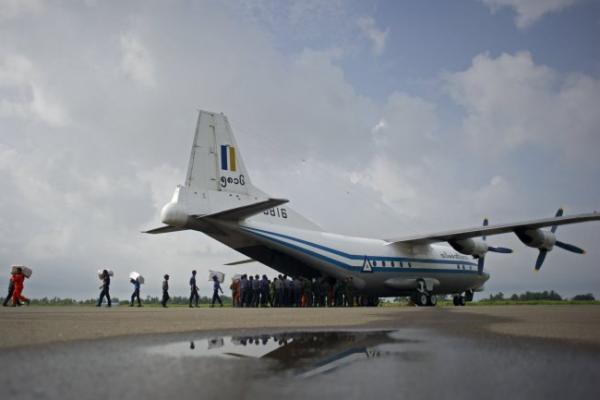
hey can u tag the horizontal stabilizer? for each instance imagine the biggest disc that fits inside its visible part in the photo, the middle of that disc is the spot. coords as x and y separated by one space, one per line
165 229
238 213
248 260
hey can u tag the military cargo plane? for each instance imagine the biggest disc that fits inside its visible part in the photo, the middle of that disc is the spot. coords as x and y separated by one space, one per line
219 199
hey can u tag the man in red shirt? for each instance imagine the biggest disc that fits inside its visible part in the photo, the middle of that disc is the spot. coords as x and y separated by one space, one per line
18 278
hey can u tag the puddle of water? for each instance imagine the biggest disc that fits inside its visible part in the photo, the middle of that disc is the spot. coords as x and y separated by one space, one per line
306 354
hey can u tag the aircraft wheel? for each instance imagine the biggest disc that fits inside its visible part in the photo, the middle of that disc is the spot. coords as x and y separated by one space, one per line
422 299
461 301
432 300
456 300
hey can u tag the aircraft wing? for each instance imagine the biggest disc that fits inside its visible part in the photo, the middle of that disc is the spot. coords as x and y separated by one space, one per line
460 234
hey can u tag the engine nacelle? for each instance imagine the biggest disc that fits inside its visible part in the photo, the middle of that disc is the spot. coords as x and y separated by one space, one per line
470 247
537 238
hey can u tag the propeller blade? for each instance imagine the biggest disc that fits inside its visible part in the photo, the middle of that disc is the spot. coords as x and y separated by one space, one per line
480 265
504 250
569 247
485 223
540 259
559 213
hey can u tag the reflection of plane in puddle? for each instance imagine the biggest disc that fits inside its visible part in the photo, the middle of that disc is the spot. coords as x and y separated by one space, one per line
310 353
317 353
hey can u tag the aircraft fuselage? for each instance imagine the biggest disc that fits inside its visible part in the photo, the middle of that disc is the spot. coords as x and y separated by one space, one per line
376 268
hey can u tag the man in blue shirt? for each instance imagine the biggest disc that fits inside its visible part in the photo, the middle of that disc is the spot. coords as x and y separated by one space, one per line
216 288
194 290
105 288
165 288
136 292
243 291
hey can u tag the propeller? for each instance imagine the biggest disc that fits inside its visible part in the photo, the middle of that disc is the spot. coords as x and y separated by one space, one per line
569 247
540 259
504 250
565 246
481 260
480 265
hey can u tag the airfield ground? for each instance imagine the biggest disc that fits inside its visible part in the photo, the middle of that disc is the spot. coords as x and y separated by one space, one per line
28 326
491 352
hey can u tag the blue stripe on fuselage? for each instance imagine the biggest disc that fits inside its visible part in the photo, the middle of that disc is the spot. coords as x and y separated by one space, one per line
261 233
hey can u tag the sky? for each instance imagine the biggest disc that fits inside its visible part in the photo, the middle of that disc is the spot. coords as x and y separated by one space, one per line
375 118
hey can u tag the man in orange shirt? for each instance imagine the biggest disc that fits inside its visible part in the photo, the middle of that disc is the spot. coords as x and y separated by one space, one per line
18 278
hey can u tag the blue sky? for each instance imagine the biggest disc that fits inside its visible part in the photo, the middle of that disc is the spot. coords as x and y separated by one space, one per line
398 117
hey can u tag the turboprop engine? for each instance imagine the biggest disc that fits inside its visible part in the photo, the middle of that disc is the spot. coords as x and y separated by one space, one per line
477 248
537 238
545 241
471 247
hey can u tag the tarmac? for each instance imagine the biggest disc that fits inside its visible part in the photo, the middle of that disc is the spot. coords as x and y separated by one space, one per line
467 352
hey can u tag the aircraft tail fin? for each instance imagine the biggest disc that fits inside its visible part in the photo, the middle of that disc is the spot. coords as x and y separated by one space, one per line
215 160
217 184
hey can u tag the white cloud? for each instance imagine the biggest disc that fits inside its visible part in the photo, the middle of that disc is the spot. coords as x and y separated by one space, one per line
15 8
405 139
529 11
48 110
369 28
136 60
381 125
15 70
511 102
23 93
161 180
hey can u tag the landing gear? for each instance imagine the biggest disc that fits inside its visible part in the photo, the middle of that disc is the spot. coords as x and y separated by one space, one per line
368 301
373 301
423 295
459 300
469 295
432 300
424 299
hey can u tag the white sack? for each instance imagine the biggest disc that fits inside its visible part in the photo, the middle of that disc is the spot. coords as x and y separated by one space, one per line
110 272
220 275
136 275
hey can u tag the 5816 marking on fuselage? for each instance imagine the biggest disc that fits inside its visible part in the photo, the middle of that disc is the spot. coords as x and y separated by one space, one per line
276 212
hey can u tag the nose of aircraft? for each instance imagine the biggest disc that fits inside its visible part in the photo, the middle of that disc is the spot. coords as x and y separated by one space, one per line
173 214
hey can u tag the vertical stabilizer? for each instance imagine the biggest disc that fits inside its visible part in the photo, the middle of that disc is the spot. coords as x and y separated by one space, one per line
215 161
217 183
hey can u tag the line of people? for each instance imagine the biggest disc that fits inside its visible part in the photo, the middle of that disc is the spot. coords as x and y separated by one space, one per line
247 291
195 297
136 280
256 291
